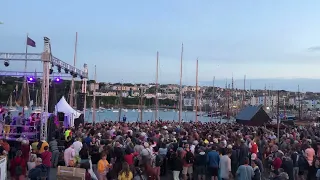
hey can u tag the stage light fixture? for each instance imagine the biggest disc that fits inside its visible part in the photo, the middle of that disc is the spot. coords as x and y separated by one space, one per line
59 69
51 71
81 77
71 73
57 80
31 79
74 75
6 63
66 71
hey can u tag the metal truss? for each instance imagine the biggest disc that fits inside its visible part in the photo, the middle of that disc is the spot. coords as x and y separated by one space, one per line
38 57
33 74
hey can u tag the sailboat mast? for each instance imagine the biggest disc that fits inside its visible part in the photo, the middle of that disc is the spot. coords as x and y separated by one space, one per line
180 87
228 102
244 91
212 98
156 91
36 98
94 96
10 100
120 102
74 64
141 103
299 110
197 91
265 97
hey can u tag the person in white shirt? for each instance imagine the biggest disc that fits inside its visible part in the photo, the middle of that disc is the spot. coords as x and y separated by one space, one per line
225 165
77 145
69 155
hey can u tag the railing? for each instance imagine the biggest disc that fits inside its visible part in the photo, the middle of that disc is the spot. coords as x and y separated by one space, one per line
29 132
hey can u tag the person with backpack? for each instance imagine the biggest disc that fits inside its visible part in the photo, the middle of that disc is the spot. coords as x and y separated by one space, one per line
157 162
18 167
7 122
188 157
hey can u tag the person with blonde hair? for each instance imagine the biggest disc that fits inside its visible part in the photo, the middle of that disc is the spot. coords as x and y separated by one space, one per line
125 173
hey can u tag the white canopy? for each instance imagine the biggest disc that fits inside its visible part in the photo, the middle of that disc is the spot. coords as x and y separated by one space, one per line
63 106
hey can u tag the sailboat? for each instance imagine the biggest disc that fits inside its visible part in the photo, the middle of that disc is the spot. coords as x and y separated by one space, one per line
11 108
37 107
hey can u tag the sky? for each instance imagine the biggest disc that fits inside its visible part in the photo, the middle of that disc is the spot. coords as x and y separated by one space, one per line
260 39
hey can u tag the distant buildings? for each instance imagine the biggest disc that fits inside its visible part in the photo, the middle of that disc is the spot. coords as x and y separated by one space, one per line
235 97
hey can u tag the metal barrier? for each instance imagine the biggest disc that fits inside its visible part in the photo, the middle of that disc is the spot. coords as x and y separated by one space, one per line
29 132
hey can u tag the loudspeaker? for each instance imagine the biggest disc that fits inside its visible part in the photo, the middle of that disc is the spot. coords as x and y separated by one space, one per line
61 116
79 120
80 101
52 98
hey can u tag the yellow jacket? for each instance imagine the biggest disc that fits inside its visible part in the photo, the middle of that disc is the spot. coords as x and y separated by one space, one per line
103 165
122 176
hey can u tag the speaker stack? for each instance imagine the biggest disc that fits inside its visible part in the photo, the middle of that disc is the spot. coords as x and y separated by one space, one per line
80 101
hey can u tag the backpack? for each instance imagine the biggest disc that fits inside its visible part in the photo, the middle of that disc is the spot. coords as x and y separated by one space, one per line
159 160
7 120
189 157
18 170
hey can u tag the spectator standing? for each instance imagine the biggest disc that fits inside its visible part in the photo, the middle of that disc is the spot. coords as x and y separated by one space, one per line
53 144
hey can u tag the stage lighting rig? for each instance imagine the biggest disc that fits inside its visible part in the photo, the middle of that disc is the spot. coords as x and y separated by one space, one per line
51 71
74 75
6 63
66 71
59 69
71 73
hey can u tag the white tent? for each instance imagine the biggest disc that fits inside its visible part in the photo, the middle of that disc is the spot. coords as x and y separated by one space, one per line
69 113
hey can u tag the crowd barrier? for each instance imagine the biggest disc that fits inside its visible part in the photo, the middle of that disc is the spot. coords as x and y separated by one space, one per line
3 167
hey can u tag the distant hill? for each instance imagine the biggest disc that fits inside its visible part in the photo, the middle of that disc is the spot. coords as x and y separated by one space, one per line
312 85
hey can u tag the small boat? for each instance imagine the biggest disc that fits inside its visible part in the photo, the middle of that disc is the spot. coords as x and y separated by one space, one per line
133 110
149 110
173 110
115 110
102 108
12 109
25 108
109 109
165 110
139 110
125 110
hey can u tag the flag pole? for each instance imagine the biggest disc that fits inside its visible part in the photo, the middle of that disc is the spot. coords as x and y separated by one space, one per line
25 77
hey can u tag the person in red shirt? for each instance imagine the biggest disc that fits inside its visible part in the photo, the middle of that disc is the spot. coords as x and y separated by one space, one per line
277 162
46 158
129 158
18 168
254 147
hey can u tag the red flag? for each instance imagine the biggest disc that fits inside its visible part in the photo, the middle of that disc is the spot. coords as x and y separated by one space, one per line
31 42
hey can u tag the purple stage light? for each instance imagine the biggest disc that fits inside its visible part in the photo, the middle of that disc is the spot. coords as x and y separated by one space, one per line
57 79
31 79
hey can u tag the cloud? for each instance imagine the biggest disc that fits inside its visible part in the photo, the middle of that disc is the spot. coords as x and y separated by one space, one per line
314 48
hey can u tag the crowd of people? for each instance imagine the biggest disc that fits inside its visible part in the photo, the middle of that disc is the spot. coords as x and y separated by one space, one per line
169 150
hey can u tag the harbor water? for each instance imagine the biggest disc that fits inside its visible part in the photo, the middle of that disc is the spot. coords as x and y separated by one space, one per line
134 115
